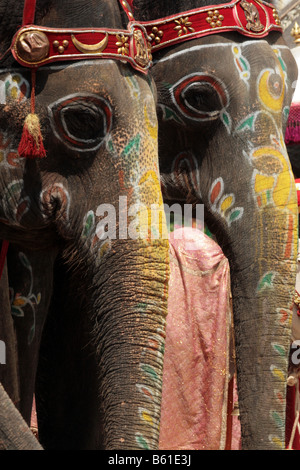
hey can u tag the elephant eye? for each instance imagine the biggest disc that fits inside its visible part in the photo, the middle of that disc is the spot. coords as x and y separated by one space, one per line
81 122
200 97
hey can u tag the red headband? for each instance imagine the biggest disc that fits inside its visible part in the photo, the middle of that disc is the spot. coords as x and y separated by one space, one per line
253 18
33 46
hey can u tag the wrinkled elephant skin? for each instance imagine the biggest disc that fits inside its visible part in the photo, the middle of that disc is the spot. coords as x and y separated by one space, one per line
99 125
223 104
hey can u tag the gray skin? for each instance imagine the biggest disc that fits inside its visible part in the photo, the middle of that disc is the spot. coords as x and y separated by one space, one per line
14 432
204 161
53 206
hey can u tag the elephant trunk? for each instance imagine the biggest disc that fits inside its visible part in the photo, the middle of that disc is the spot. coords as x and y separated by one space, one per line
263 281
129 332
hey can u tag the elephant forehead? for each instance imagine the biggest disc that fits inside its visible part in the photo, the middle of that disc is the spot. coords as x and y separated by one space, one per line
108 78
101 77
195 56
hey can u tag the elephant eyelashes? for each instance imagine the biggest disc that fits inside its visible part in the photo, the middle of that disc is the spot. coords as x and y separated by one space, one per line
81 122
200 97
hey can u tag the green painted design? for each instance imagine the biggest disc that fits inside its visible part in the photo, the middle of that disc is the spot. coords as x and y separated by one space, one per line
17 311
88 224
235 214
169 114
244 63
132 146
207 231
110 146
277 418
134 83
149 371
282 64
141 441
266 281
279 349
142 307
246 124
286 111
226 120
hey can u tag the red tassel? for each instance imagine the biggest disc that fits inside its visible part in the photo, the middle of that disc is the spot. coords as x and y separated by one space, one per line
31 144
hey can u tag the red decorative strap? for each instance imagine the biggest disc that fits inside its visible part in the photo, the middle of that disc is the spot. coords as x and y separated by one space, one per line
29 12
33 46
3 254
128 8
253 18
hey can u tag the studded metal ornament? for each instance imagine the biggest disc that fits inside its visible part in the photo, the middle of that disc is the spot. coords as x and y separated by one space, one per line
251 18
122 43
156 35
183 26
214 18
61 47
276 16
32 46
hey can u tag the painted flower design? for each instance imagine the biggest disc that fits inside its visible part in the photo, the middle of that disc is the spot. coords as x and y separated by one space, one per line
7 155
16 87
122 43
183 26
19 301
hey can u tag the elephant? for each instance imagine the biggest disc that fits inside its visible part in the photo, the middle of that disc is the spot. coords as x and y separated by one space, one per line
225 78
14 432
78 175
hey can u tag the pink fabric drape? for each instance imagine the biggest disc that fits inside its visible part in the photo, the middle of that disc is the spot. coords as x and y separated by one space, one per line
197 350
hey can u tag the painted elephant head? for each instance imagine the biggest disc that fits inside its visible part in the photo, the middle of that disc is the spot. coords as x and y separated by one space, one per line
88 197
223 102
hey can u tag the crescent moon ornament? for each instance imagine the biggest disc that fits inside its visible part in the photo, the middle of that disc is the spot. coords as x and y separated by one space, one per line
90 48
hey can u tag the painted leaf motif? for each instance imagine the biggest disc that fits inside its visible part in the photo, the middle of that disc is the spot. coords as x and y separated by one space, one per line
226 120
89 224
278 442
278 419
24 260
279 349
147 417
246 124
286 111
31 334
284 315
19 301
38 298
236 214
215 193
16 311
142 442
169 114
150 371
278 373
133 145
266 281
